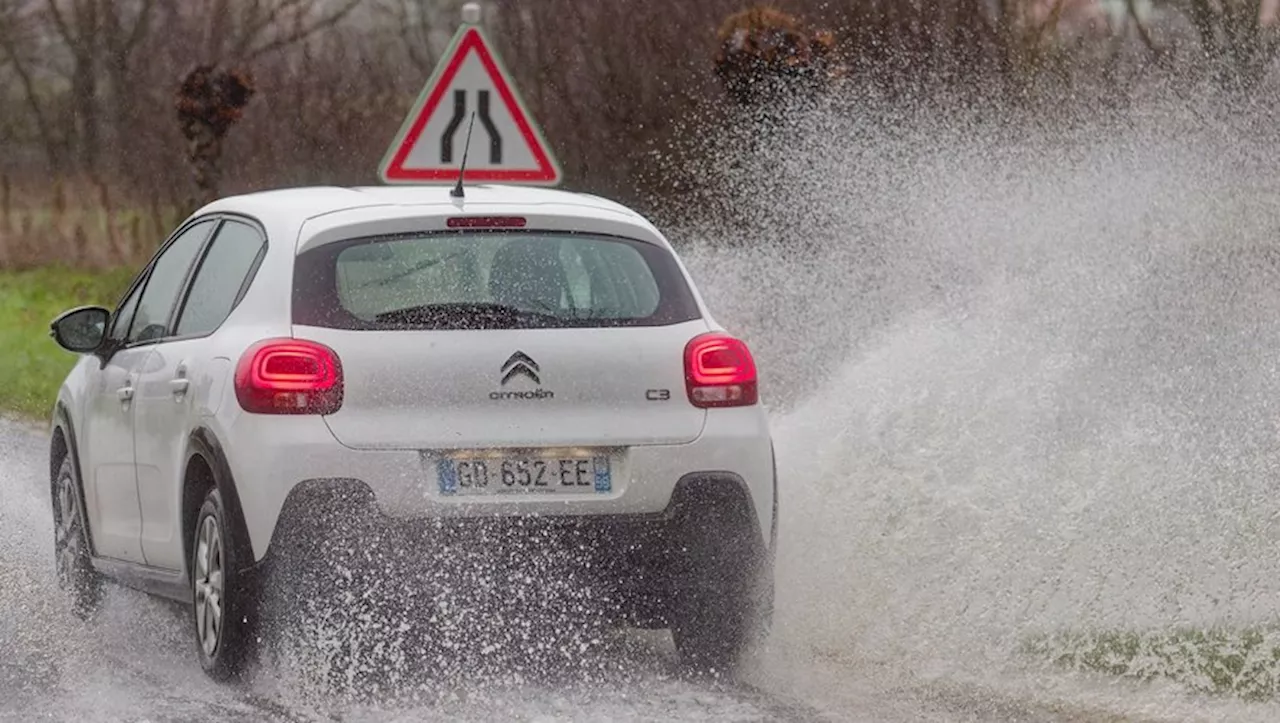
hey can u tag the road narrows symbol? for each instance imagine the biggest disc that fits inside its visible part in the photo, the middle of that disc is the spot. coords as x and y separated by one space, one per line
495 139
460 112
446 139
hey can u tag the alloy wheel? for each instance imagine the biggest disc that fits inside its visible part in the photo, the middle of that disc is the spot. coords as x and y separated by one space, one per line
209 586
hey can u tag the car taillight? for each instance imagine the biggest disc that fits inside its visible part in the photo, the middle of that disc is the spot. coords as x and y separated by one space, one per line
719 371
289 376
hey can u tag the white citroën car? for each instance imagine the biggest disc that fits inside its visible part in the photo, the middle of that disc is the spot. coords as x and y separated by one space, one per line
518 354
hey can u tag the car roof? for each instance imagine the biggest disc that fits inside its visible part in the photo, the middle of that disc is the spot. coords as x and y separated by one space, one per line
297 205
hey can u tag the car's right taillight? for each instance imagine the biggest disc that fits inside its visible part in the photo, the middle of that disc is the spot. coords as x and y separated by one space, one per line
719 371
289 376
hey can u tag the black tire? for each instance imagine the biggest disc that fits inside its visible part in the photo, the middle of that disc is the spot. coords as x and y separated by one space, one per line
724 606
715 632
72 561
222 620
327 582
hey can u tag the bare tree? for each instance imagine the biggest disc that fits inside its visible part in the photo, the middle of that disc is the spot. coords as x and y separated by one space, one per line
20 31
241 31
422 28
625 90
126 24
79 24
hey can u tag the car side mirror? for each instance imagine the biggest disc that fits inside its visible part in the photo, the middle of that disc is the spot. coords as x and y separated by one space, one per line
81 330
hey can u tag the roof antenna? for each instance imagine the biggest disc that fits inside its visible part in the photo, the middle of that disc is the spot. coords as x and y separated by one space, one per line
457 190
470 16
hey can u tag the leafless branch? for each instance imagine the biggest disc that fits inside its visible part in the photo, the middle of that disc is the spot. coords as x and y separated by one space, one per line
257 20
17 23
141 25
121 36
413 26
60 22
302 30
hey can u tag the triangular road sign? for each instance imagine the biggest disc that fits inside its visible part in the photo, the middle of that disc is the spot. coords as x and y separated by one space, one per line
506 144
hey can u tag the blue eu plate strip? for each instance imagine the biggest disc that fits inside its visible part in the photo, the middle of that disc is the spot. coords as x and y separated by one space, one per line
603 482
447 475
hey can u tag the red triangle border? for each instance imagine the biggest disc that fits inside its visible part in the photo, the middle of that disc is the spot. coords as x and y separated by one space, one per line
472 40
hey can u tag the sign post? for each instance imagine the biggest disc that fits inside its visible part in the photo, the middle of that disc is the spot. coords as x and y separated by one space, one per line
470 81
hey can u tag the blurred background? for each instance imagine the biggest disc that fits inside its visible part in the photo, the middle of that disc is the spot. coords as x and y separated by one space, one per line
94 163
1009 268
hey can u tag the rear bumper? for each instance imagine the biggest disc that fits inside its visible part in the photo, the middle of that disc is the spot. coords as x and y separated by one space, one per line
706 540
273 459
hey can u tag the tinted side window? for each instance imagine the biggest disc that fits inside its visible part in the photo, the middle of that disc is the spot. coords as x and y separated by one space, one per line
124 315
167 275
218 280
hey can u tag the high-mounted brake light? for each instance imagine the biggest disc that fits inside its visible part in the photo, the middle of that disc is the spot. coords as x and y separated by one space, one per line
289 376
719 371
486 222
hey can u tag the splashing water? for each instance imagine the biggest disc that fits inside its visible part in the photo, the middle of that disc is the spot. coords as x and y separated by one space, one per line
1022 382
1028 378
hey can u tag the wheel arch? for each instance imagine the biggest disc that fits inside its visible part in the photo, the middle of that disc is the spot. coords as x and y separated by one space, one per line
204 448
773 527
62 443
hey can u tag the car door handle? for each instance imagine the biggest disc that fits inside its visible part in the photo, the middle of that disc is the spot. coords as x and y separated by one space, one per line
125 393
178 386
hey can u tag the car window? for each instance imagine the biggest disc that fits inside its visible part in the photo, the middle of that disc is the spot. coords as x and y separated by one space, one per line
124 314
578 279
219 278
167 275
496 280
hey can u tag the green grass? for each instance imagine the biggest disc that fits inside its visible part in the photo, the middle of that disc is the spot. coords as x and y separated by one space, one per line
1242 662
32 365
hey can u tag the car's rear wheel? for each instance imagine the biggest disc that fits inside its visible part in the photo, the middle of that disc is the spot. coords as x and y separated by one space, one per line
724 603
75 570
222 597
715 633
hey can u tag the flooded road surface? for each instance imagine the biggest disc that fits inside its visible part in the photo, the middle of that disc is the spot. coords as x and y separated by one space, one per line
134 663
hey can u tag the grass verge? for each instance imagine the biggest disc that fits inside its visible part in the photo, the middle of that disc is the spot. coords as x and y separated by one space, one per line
31 364
1242 662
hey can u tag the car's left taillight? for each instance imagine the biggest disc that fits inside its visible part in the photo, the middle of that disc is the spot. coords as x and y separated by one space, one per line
289 376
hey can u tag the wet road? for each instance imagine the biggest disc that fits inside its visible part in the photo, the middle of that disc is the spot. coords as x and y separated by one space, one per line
134 663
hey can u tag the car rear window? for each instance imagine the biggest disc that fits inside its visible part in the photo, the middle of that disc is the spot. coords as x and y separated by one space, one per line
479 279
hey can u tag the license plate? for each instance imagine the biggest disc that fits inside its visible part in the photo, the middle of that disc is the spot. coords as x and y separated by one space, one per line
476 474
